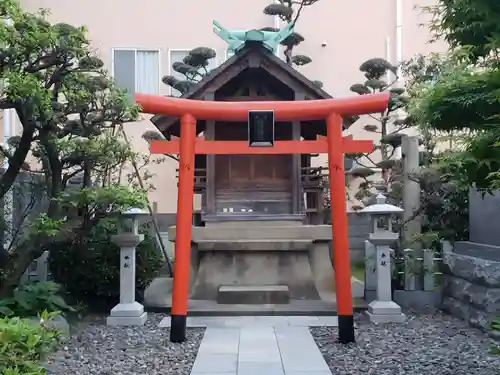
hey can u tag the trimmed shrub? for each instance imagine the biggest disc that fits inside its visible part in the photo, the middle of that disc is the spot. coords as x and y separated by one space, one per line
89 268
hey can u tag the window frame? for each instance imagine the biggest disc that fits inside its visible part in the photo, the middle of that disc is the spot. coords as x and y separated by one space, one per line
135 50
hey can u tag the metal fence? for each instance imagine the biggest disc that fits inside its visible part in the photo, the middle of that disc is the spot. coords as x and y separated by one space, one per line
420 270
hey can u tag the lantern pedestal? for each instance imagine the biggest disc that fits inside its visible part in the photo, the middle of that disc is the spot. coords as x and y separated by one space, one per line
128 312
385 312
384 309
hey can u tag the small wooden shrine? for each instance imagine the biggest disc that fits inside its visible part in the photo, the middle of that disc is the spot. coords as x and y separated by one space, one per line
256 187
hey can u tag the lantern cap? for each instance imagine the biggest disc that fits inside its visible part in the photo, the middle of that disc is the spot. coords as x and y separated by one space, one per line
381 207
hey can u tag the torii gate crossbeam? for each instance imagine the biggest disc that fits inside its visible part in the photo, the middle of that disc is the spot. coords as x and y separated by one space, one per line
335 145
319 146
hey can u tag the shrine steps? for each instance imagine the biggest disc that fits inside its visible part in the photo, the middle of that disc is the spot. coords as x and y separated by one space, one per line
253 294
254 245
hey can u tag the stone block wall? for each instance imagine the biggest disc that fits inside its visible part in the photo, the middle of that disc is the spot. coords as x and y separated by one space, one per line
471 288
359 229
484 214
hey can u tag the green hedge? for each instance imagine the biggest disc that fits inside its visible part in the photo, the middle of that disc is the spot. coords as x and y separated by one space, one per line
89 268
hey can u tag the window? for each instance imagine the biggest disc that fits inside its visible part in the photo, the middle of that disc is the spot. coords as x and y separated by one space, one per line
137 70
176 55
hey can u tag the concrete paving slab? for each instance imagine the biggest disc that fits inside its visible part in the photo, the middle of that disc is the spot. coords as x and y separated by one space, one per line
291 334
212 363
239 321
303 321
252 368
272 320
218 347
259 357
298 350
327 321
222 335
259 332
308 372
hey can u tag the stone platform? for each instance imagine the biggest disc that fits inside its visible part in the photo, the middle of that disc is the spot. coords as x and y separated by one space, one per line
258 254
158 298
263 267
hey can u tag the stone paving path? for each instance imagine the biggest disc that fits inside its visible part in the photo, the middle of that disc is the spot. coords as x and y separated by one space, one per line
266 345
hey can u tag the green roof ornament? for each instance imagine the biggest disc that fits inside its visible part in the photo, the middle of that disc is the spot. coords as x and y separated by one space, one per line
236 39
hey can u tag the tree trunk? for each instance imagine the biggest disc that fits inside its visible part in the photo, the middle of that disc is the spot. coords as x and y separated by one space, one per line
10 175
17 263
55 180
25 253
87 182
16 162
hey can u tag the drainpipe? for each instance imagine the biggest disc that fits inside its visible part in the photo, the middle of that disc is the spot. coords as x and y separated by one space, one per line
399 53
399 35
388 57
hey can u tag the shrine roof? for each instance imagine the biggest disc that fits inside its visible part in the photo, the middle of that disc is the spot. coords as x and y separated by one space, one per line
252 56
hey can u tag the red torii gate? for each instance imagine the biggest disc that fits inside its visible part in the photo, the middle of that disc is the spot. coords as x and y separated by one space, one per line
333 110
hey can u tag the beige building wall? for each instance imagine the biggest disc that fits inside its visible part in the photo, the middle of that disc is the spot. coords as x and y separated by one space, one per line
339 35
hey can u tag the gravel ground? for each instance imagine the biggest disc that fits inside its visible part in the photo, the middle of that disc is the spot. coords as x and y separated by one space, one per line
431 344
101 350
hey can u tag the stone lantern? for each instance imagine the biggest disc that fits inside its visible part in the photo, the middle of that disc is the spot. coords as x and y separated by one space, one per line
128 312
383 309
